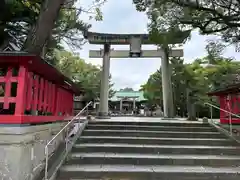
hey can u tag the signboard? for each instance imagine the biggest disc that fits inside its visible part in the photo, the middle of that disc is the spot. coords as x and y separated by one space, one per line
115 39
135 46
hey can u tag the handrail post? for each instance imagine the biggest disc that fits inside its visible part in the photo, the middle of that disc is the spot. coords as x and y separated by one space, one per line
211 111
66 140
230 124
230 116
63 130
46 163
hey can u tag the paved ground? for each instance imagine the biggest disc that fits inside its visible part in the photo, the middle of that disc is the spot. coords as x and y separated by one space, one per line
148 119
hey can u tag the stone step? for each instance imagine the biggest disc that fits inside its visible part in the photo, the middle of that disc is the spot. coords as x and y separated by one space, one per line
130 172
153 123
151 128
155 149
153 159
139 133
153 140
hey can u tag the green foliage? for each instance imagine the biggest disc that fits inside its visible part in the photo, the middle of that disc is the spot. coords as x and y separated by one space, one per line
153 89
86 75
18 16
68 28
210 16
192 82
15 19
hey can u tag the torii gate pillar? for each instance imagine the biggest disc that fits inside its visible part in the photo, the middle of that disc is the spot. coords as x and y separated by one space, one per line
104 89
168 107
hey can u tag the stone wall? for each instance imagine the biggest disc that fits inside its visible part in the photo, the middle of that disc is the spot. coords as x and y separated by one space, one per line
22 149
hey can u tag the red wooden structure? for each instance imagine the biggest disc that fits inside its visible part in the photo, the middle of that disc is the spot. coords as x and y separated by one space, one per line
229 100
33 91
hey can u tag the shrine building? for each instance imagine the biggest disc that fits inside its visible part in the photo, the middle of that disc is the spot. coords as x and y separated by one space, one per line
229 100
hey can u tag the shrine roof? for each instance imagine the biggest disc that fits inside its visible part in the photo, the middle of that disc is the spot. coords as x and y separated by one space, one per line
128 94
230 89
39 66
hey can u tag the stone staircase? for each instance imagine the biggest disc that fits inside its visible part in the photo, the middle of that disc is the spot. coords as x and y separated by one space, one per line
152 151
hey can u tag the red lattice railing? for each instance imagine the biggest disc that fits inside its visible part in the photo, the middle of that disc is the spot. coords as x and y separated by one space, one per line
27 97
230 103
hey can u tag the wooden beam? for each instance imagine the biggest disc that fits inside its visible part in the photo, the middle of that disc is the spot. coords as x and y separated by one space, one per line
125 53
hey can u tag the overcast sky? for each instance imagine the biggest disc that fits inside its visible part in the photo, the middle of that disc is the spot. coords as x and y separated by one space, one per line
120 16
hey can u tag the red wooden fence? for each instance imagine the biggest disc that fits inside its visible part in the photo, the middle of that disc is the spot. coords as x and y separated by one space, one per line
229 100
230 103
32 91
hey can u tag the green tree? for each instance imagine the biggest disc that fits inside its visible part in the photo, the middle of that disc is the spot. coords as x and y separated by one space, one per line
41 31
86 75
210 16
191 83
153 89
44 24
16 16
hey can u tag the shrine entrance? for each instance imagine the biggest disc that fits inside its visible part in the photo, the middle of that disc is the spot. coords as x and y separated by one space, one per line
135 41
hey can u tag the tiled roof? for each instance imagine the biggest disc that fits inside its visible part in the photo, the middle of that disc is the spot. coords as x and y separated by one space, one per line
128 94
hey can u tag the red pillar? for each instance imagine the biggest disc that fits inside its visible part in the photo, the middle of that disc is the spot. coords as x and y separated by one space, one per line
21 91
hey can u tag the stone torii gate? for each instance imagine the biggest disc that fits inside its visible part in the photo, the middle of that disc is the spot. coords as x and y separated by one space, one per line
135 41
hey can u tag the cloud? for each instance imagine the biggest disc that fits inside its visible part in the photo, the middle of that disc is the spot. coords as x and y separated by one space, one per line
132 72
195 48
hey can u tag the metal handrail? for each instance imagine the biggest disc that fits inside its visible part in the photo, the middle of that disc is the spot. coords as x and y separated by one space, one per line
66 140
230 113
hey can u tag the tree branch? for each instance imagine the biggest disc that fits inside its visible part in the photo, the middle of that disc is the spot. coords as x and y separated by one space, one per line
213 11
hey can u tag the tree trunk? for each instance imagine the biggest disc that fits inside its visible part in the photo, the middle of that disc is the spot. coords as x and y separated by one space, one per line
190 106
2 22
44 50
41 31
